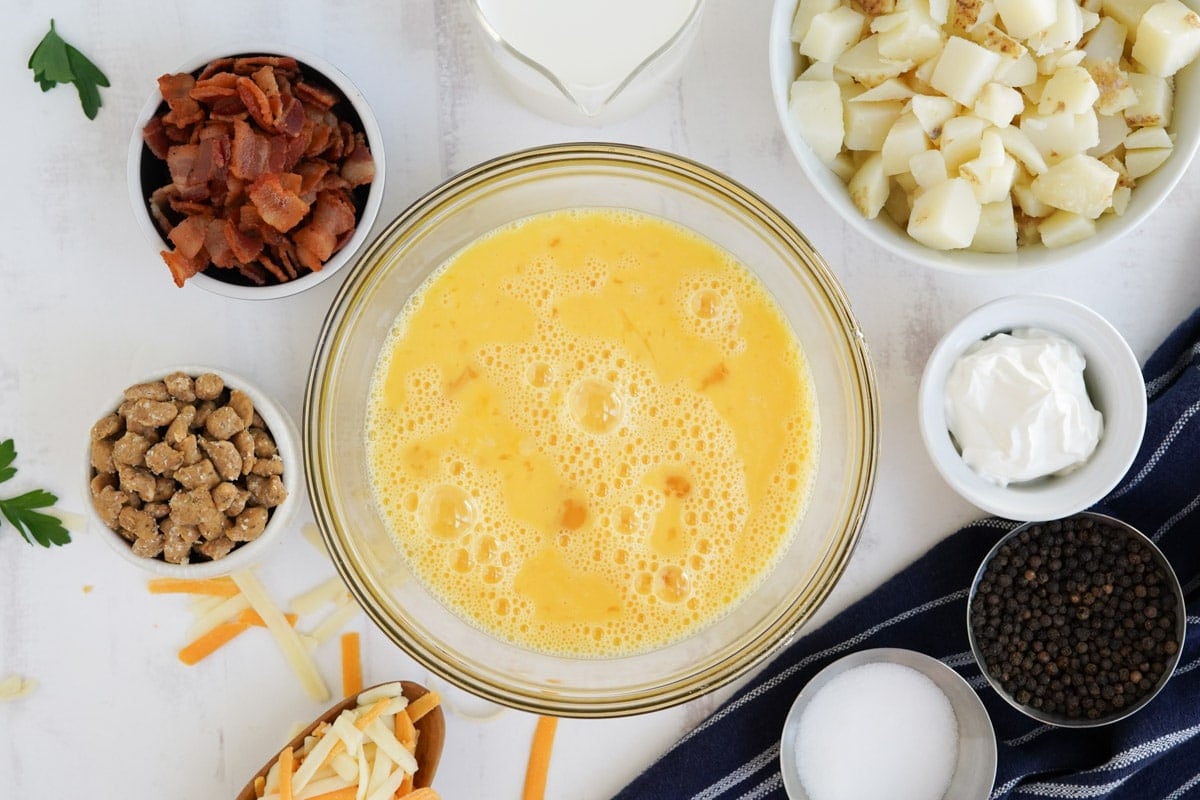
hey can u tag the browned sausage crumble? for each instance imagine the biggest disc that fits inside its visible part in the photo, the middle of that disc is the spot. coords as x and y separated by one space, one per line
185 469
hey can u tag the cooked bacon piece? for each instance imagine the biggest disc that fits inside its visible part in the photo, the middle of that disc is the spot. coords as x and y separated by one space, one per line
155 138
229 109
279 207
213 67
319 97
359 168
318 240
188 236
277 152
159 200
181 267
264 79
256 103
310 173
273 268
218 247
290 121
250 152
211 93
181 162
175 90
246 245
177 135
250 64
253 273
189 208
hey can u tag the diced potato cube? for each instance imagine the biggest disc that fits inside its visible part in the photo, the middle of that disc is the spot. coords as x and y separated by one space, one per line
1018 72
1113 130
1027 230
1168 38
843 166
917 38
1106 42
815 108
805 11
903 141
963 69
998 104
1127 12
991 173
960 140
1033 91
1143 162
1148 137
905 181
997 230
1090 19
928 168
1154 101
832 33
1063 228
939 10
1021 147
891 89
1079 184
818 71
1071 89
869 187
1024 18
1026 200
897 206
1121 197
1057 136
1093 6
933 112
1116 92
1053 62
864 63
945 216
1062 34
867 124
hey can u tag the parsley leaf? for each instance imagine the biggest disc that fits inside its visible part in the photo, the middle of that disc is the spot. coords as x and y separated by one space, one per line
54 62
22 511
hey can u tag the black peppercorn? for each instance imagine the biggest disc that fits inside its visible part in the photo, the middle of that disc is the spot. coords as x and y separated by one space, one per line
1073 621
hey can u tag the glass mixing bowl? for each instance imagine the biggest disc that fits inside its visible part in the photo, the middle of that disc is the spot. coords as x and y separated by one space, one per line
424 237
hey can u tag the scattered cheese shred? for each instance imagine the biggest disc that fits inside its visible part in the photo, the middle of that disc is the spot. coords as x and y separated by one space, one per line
539 759
218 587
320 595
345 610
423 705
285 774
313 534
210 642
224 611
346 793
251 617
14 687
294 651
351 665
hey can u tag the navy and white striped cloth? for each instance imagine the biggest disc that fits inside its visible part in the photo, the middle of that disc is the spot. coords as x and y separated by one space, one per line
1153 755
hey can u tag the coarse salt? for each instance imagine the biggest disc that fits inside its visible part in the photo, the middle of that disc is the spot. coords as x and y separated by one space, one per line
877 730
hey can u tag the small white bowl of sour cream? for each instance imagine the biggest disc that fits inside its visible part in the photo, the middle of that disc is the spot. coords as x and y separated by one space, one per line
1114 384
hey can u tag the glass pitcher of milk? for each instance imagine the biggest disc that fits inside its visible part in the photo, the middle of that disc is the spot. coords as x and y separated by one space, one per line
587 61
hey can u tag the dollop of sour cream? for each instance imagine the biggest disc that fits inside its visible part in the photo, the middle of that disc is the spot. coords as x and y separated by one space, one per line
1018 408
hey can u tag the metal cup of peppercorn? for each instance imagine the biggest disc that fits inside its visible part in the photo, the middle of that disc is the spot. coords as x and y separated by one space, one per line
1077 622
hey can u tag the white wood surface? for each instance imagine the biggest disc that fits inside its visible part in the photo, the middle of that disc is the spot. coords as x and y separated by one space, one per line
85 305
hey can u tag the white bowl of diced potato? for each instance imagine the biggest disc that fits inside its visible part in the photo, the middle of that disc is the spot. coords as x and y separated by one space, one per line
1019 133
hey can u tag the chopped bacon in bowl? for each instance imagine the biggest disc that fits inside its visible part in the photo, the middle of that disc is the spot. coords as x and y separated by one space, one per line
257 170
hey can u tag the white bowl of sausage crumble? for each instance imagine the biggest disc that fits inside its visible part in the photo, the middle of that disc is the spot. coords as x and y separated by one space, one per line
192 472
255 171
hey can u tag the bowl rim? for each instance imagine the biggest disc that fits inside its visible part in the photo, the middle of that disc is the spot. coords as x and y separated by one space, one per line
927 665
366 219
1180 624
287 442
965 262
781 629
1122 433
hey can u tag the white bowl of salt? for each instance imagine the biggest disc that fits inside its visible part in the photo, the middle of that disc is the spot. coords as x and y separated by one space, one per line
888 723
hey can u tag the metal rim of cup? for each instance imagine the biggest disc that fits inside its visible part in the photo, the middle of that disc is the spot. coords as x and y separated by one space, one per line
1057 720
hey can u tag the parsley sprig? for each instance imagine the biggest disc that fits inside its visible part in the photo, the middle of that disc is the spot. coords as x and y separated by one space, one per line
54 62
22 511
